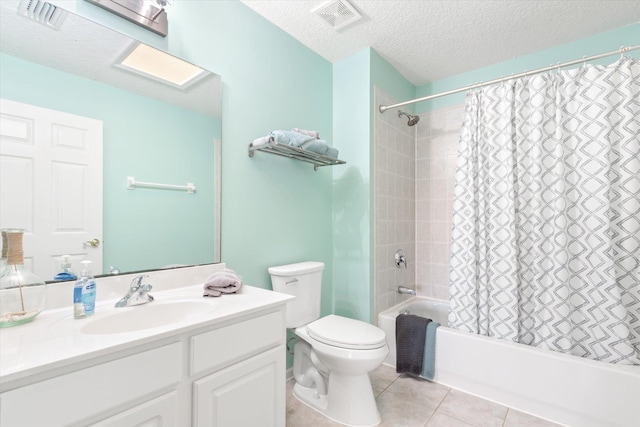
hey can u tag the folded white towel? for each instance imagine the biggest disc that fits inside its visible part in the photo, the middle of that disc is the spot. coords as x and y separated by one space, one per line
262 141
313 133
222 282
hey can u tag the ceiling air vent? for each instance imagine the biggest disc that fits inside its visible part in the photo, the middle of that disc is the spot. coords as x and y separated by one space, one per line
338 13
42 12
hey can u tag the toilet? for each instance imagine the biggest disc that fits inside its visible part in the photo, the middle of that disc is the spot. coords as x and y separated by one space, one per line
333 355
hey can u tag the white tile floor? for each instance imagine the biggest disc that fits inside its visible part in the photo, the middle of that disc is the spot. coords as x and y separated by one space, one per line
408 402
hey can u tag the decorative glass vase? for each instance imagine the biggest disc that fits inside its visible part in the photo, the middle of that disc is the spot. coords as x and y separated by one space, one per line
5 249
23 295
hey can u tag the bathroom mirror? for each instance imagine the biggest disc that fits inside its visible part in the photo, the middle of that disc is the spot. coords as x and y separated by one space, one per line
152 132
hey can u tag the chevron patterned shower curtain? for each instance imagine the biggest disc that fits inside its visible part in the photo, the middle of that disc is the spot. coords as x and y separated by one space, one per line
546 220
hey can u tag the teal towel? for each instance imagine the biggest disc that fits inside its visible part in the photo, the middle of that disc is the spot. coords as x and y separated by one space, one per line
302 141
316 145
429 358
332 152
320 146
290 138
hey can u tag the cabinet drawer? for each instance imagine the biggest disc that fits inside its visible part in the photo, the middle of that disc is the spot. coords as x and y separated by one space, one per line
72 397
157 412
233 343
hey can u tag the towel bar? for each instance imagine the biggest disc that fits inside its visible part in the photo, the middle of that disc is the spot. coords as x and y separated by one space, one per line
132 184
296 153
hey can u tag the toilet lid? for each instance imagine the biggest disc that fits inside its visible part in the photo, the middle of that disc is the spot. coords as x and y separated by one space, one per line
343 332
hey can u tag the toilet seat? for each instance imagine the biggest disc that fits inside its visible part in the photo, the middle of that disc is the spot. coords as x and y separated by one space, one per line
346 333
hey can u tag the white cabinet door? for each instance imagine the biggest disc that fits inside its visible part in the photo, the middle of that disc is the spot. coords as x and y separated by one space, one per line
248 394
160 412
51 184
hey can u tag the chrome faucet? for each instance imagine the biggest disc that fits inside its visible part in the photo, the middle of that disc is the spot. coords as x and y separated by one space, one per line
405 290
400 259
138 293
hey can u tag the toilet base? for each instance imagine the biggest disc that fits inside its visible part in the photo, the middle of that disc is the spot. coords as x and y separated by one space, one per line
349 401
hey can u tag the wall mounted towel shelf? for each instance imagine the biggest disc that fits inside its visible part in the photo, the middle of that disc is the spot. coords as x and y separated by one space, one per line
132 184
285 150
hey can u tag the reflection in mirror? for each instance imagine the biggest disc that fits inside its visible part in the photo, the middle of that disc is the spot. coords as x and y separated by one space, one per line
63 96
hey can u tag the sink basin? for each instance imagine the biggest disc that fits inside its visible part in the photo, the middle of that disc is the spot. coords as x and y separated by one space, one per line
145 316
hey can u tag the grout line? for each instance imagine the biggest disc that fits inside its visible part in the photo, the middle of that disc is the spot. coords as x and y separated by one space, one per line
394 380
438 407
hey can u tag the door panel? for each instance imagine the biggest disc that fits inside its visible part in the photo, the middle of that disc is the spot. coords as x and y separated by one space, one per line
51 184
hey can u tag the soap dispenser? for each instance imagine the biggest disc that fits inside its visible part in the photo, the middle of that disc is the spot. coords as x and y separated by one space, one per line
66 273
84 293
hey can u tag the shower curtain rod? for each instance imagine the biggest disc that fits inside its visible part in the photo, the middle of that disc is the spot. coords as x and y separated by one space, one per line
620 51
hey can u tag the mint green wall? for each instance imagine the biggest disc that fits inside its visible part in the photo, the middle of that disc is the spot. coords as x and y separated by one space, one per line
391 81
143 228
274 210
351 187
599 43
354 79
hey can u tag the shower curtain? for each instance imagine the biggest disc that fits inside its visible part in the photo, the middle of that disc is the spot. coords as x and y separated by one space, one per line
546 219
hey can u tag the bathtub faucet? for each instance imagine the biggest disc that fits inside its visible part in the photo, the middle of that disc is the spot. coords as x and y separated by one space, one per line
400 259
405 290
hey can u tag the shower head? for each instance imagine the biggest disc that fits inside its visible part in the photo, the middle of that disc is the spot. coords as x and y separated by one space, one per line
412 119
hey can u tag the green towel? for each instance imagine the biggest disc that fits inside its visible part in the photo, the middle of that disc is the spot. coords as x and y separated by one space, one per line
429 358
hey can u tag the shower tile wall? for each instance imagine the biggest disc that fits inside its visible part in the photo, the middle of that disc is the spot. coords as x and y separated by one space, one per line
394 204
436 150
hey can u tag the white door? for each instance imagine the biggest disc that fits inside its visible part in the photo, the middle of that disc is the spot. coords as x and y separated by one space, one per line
51 185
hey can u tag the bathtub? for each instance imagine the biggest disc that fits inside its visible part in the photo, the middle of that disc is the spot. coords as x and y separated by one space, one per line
562 388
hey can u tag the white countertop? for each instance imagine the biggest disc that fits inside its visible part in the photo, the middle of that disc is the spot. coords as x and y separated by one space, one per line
55 339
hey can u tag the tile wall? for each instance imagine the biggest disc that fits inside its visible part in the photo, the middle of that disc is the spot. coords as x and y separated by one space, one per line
436 153
414 169
394 204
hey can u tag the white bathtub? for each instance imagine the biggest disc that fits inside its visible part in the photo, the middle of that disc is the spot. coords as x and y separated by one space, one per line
566 389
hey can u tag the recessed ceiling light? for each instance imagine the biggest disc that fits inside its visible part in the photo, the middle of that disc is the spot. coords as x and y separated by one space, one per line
161 66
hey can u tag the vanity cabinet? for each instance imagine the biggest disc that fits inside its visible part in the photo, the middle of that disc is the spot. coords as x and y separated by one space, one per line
246 394
71 397
250 391
227 374
158 412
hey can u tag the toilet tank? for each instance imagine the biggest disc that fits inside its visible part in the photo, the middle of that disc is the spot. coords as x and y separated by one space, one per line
304 281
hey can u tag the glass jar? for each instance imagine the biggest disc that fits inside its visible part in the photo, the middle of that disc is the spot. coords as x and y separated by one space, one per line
23 295
5 249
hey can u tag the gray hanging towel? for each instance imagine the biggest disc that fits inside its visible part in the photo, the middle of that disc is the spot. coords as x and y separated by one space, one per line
410 339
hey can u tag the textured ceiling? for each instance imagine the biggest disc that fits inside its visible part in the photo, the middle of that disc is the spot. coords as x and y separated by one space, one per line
89 50
427 40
